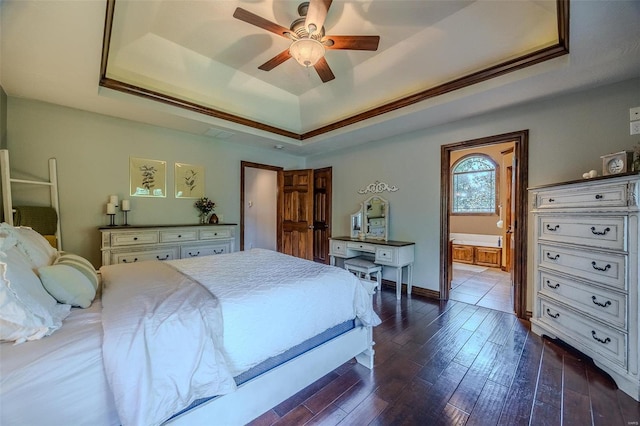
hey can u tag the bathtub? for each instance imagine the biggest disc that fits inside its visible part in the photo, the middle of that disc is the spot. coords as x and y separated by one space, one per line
481 240
477 249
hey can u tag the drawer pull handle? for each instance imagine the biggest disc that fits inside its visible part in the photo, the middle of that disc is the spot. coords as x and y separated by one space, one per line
135 259
556 257
604 232
165 258
555 228
552 286
604 305
218 252
551 315
179 236
551 200
135 238
595 336
599 197
194 255
597 268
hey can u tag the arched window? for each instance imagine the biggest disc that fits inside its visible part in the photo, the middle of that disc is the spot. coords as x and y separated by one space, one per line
474 183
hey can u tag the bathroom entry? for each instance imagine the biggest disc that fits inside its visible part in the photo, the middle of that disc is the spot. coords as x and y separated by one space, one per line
479 230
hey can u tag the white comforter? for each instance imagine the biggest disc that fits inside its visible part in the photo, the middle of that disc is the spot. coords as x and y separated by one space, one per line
169 341
161 342
271 301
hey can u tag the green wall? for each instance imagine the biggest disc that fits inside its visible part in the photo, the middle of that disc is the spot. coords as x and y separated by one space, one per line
568 134
92 153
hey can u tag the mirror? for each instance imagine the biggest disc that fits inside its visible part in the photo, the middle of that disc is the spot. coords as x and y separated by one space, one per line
356 224
376 218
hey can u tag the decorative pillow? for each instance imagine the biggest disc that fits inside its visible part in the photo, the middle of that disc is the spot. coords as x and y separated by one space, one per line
71 279
32 244
27 311
68 285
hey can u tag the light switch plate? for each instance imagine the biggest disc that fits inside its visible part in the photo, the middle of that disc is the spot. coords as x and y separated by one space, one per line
634 114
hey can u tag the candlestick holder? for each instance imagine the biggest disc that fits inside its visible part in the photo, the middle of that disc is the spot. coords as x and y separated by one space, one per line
112 219
124 222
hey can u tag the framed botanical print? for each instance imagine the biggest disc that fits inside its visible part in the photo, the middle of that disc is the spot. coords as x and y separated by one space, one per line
189 181
147 178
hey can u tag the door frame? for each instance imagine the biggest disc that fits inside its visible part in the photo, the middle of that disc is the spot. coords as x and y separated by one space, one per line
521 155
243 166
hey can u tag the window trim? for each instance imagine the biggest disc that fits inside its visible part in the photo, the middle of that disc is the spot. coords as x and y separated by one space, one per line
496 168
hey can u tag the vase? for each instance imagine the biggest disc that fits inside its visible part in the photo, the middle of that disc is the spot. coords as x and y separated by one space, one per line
203 218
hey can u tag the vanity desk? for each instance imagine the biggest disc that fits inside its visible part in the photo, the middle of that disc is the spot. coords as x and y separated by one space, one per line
395 254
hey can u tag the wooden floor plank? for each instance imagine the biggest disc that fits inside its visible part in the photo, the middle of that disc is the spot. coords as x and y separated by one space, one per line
483 367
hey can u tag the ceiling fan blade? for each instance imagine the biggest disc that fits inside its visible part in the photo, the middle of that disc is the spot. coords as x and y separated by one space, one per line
275 61
258 21
323 70
352 42
317 13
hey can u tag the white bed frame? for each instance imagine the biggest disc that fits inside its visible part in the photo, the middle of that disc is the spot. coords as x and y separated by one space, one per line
264 392
7 180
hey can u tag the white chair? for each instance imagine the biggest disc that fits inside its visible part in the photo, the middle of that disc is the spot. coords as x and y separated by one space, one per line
363 266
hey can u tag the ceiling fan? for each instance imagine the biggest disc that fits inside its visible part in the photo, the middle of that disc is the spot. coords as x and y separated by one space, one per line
309 41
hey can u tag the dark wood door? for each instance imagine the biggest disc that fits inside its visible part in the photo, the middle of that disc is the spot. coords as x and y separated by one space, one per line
508 244
295 208
321 214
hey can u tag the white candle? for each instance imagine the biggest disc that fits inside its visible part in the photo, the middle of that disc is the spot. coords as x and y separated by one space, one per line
111 208
126 206
113 199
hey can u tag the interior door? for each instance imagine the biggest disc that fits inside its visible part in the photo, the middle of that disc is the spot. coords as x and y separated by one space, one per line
512 223
295 208
321 214
508 243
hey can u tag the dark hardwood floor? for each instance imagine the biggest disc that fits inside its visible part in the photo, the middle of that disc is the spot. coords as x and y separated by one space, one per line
451 363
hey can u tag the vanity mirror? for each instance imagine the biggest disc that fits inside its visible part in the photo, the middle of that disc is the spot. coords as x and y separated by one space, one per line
375 211
356 224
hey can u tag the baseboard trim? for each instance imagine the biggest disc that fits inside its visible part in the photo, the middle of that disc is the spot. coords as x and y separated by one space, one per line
431 294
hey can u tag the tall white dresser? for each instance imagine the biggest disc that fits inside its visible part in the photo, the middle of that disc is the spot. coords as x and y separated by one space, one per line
129 244
586 271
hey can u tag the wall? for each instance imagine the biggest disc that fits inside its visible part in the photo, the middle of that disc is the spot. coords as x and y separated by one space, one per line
568 134
3 119
93 153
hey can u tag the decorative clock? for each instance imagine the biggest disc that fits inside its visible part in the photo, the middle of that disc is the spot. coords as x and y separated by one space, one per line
618 162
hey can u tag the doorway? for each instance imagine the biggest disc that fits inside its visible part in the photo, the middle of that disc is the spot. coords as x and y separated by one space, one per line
518 213
286 210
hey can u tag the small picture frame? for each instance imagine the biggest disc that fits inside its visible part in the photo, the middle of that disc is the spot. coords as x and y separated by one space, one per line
147 178
189 181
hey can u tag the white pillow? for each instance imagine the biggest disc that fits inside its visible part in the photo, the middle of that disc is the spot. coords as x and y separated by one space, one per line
71 279
33 245
27 311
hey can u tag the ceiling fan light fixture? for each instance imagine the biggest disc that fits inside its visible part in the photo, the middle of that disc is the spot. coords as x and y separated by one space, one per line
306 51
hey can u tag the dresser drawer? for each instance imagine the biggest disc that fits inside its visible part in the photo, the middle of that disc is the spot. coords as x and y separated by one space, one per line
361 247
338 248
593 196
596 337
134 238
208 250
602 268
178 235
386 255
165 253
595 231
606 305
212 234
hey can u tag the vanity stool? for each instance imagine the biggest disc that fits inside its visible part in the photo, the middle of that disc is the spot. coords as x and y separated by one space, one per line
362 265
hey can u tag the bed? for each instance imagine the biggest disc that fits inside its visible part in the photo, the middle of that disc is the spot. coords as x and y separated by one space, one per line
216 339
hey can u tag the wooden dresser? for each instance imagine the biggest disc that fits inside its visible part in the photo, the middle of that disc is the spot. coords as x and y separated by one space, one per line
586 271
128 244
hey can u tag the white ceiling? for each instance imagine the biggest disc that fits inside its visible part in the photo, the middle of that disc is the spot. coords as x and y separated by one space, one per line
51 51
